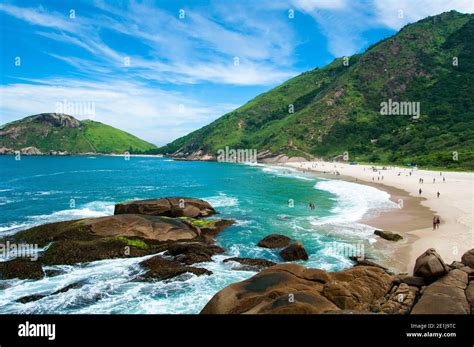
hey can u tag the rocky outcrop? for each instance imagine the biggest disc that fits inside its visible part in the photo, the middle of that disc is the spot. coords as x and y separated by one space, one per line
429 265
292 288
250 264
184 240
169 207
5 150
445 296
388 235
30 151
293 252
274 241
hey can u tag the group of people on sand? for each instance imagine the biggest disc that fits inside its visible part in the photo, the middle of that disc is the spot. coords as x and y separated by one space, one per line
436 222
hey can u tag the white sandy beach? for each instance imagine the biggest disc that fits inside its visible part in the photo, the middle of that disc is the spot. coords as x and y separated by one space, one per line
455 207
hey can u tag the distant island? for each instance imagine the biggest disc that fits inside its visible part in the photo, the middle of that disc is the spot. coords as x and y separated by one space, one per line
61 134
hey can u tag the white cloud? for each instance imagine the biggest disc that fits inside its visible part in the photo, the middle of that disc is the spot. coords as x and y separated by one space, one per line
152 114
198 48
345 22
397 13
311 5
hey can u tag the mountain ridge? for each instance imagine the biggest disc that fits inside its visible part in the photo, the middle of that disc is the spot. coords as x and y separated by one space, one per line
336 108
54 133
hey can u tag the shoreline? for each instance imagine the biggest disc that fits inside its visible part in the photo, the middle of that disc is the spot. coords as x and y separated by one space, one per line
413 221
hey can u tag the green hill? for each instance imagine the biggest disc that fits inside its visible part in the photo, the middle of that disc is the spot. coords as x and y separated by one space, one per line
59 132
337 108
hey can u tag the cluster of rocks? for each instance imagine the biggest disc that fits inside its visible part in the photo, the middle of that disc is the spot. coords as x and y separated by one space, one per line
173 226
25 151
290 250
434 288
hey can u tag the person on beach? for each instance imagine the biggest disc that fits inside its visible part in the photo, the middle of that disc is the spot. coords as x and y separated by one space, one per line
444 179
434 180
438 194
419 191
438 222
434 222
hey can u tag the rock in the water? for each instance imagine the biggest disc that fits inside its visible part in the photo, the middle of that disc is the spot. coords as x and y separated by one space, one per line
169 207
429 265
468 258
295 251
250 264
388 235
292 288
36 297
445 296
193 252
160 268
21 268
274 241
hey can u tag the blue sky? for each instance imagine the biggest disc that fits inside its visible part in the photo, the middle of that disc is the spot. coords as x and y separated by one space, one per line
160 69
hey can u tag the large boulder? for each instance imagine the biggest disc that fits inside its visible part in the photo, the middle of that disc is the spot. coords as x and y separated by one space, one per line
357 288
388 235
169 207
445 296
468 258
274 241
292 288
430 265
130 225
121 236
293 252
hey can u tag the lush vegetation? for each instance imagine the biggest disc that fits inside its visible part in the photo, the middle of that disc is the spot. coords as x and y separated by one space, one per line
88 136
337 108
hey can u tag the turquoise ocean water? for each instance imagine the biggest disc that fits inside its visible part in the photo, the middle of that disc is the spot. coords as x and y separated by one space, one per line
37 190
